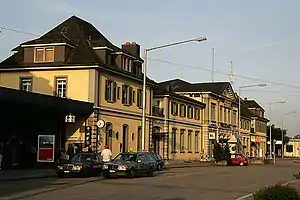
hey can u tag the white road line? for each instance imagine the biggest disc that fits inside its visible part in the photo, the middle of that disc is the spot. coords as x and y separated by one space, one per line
249 195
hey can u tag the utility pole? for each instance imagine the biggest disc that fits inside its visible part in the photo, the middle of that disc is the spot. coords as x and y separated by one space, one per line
231 75
213 65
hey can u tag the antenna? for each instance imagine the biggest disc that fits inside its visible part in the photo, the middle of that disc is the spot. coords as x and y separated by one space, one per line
231 75
213 65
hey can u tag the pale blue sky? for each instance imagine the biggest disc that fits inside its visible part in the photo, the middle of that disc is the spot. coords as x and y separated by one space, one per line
261 37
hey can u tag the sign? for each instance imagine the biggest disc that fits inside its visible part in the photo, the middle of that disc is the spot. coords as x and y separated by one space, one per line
88 136
70 118
100 123
46 145
211 136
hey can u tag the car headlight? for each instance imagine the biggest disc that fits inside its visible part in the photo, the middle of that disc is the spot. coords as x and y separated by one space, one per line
59 167
105 167
122 167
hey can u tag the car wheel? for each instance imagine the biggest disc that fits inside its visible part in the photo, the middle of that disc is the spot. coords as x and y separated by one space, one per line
159 167
131 173
105 175
60 175
241 163
151 172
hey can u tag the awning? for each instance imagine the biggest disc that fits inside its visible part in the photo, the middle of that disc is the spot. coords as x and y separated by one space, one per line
13 96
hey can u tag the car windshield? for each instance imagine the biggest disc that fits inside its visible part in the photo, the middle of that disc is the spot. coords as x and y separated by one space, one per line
82 157
125 157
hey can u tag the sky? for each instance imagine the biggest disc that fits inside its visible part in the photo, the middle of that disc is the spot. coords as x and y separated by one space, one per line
261 38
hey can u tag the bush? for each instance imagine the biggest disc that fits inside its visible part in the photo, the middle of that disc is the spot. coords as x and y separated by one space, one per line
277 192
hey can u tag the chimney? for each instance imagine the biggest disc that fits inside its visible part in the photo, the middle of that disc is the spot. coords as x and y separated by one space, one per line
132 48
245 99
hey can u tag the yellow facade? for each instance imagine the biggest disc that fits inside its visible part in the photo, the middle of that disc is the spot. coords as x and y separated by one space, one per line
89 85
182 136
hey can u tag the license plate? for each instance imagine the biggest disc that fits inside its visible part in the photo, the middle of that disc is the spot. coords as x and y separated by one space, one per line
66 171
112 171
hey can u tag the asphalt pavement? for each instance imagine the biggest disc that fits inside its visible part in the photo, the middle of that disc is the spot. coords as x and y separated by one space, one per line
226 183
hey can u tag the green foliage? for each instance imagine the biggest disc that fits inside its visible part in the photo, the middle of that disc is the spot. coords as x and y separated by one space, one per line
277 134
277 192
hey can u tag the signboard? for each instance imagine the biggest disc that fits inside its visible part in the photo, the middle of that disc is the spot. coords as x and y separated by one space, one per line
211 136
70 118
46 145
88 136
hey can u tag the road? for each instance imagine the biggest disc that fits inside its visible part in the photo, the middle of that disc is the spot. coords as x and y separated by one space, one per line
226 183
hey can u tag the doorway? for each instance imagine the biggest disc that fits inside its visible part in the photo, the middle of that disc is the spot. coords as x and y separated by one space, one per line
108 135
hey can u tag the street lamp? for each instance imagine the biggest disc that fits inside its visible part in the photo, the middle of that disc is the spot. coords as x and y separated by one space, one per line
200 39
288 113
246 86
270 104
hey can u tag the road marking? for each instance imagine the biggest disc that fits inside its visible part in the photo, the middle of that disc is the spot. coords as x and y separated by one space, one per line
251 194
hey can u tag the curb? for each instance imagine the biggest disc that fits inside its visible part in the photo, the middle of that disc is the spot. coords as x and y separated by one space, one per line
26 178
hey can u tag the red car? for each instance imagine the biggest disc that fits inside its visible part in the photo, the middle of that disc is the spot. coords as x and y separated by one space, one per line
239 159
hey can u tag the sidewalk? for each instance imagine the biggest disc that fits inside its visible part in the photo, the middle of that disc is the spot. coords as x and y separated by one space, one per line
15 175
12 175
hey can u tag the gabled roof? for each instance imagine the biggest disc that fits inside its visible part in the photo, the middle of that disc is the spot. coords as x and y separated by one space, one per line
76 32
252 104
178 85
161 90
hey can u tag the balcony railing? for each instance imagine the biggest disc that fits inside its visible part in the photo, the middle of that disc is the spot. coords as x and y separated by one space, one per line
156 111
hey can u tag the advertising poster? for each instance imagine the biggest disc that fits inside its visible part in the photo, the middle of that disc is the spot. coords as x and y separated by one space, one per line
46 144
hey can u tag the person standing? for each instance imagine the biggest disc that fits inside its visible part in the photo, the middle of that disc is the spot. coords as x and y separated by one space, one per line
106 154
1 155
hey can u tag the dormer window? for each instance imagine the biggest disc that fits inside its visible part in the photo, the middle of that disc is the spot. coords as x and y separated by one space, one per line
44 54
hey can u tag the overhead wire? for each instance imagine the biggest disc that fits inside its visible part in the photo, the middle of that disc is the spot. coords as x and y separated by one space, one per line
17 31
224 73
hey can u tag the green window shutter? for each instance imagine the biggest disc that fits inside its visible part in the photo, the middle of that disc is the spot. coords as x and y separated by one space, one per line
107 95
123 94
115 92
130 95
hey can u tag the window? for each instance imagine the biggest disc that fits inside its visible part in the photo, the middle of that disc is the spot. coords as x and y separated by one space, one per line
221 114
44 54
118 93
213 112
139 140
174 108
173 139
182 110
139 98
26 84
197 114
182 140
289 148
229 116
61 87
127 94
225 115
190 112
111 91
196 141
190 141
133 97
234 117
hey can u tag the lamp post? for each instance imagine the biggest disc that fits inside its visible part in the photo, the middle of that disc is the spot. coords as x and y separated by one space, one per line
270 105
282 138
200 39
239 128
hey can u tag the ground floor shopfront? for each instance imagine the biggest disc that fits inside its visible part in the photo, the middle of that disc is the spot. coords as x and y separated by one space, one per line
258 146
26 115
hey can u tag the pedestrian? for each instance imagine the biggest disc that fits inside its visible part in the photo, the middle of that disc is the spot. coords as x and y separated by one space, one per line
106 154
1 155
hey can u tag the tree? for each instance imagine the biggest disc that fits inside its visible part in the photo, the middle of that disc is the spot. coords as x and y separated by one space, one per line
277 134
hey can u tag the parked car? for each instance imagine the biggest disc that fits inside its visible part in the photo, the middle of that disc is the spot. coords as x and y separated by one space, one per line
160 161
239 159
130 165
82 164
